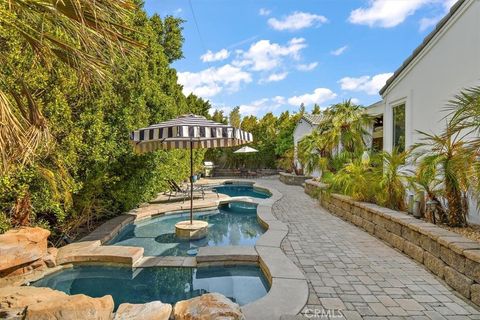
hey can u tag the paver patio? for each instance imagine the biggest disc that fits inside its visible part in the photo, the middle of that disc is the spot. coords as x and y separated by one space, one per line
350 270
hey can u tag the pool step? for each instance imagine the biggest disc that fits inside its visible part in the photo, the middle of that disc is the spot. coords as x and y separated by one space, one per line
230 254
91 251
148 262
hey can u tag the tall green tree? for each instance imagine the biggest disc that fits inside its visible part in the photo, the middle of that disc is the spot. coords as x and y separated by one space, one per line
197 105
218 116
89 172
234 118
316 109
83 36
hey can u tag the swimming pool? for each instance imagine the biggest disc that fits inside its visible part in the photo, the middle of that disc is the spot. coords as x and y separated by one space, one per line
237 190
242 284
232 224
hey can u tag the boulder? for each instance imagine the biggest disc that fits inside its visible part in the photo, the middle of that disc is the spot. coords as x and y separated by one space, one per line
21 297
46 303
74 307
22 246
155 310
50 258
12 314
207 306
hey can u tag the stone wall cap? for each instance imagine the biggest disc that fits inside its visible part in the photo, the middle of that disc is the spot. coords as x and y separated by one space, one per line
447 241
317 184
473 255
460 247
434 232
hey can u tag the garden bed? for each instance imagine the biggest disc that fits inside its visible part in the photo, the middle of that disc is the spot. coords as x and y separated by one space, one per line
447 254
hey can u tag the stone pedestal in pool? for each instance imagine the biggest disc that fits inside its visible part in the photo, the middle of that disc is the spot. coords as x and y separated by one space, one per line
191 231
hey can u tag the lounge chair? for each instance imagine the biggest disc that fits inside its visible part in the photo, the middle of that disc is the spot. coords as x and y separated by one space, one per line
175 189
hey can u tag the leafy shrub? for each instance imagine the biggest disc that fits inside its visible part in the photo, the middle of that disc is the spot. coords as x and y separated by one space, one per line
4 223
392 177
356 180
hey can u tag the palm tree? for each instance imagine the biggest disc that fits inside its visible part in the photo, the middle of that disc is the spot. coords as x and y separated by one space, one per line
339 137
345 126
392 177
465 112
450 156
465 118
83 35
311 153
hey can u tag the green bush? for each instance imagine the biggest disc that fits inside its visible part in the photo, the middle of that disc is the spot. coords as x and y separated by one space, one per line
89 172
4 223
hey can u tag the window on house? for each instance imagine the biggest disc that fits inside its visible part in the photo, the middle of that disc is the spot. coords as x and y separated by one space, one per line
377 134
399 127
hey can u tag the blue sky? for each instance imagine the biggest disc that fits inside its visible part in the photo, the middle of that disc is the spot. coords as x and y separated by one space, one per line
272 55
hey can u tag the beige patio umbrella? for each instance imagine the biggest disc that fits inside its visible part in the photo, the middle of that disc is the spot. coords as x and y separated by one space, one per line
188 132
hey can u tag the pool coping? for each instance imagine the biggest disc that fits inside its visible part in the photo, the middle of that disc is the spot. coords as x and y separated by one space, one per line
288 292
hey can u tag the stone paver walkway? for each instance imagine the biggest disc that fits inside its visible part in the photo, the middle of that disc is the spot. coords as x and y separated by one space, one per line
349 270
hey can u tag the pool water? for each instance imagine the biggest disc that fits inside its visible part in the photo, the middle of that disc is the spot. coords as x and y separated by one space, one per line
232 224
242 284
242 190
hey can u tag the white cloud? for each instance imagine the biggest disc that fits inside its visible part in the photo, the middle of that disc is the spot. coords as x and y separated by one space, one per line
212 81
296 21
355 101
367 84
386 13
274 77
427 22
319 96
264 55
339 51
307 67
264 12
226 110
262 106
215 56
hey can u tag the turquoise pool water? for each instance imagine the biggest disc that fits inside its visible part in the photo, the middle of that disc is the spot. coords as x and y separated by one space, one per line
233 224
242 284
242 190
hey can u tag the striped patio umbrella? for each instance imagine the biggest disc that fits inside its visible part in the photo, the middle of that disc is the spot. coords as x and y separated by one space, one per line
188 132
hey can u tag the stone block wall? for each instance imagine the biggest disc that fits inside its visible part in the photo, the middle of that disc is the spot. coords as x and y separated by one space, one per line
448 255
292 179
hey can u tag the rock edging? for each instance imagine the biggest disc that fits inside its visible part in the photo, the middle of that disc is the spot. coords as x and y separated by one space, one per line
446 254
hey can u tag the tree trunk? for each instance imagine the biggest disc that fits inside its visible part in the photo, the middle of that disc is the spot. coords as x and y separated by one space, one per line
456 216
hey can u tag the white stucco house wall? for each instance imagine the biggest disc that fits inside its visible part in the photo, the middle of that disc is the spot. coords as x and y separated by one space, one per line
446 62
304 127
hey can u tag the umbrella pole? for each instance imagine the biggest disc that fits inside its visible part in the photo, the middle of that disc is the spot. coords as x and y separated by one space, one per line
191 181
